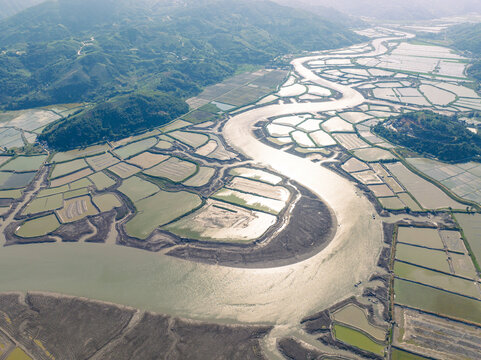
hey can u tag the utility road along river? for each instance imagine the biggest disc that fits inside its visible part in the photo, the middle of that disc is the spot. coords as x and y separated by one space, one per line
159 283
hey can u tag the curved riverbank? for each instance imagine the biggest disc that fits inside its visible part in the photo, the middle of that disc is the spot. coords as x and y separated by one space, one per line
164 284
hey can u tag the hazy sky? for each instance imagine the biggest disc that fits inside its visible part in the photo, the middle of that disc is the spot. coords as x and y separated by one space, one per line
397 8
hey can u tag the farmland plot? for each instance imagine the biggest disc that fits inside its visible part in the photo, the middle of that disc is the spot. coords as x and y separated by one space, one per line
174 169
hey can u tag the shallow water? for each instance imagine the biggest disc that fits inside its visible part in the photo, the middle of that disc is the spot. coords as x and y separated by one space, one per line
159 283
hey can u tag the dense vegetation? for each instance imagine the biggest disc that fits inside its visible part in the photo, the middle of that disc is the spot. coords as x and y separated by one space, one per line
117 118
89 50
426 132
467 37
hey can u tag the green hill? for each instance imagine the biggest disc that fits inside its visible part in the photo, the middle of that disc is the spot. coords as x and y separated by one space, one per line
90 50
433 134
117 118
467 37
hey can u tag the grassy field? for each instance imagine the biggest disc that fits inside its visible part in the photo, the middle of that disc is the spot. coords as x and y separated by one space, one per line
11 194
18 354
159 210
53 191
75 193
47 203
191 139
106 202
25 163
101 181
433 278
135 148
437 301
471 225
38 227
9 181
433 259
419 236
199 116
71 178
357 339
397 354
174 169
66 168
79 153
356 317
202 177
136 188
175 125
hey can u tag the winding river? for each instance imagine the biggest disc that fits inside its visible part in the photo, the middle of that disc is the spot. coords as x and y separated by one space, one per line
159 283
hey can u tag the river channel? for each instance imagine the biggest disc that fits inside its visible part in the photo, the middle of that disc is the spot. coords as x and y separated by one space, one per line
159 283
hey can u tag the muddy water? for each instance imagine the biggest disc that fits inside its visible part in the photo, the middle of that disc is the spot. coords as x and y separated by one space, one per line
159 283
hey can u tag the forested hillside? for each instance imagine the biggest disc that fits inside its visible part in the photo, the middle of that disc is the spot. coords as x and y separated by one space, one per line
467 37
117 118
438 135
89 50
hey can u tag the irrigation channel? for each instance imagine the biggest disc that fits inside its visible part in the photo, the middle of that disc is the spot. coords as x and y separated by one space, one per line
280 296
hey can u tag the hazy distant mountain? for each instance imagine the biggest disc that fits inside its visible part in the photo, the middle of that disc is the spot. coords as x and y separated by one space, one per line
324 12
90 50
11 7
402 9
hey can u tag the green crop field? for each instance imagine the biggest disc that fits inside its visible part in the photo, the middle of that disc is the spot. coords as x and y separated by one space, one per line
79 153
397 354
11 194
136 188
192 139
433 259
75 193
357 339
356 317
25 163
106 202
159 210
101 181
135 148
38 227
47 203
433 278
18 354
471 225
436 301
419 236
66 168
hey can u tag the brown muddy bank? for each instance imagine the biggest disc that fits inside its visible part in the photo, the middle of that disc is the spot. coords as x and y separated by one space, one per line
50 326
